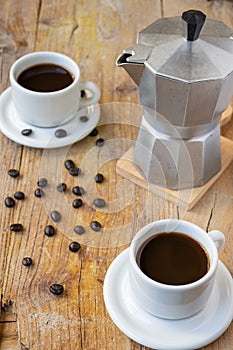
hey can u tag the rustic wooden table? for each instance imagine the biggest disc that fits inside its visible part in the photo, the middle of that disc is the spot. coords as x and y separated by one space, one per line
93 33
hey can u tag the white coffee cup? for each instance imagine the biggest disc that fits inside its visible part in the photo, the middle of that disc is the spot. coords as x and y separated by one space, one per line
173 301
49 109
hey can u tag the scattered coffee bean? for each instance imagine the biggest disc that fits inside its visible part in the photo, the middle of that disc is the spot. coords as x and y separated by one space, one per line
99 178
74 247
19 195
26 132
95 226
56 289
13 172
94 132
99 202
59 133
84 118
39 192
27 261
78 190
49 231
82 93
42 182
99 142
77 203
55 216
61 187
74 171
69 164
9 202
16 227
79 229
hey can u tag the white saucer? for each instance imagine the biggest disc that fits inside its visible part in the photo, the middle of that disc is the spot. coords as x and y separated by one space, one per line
11 126
148 330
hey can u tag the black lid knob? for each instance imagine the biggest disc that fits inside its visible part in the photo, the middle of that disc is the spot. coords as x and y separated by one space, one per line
195 20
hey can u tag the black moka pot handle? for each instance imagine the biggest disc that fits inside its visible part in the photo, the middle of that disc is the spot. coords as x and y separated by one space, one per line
195 20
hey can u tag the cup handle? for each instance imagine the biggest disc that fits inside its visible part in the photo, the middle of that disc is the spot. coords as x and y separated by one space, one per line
93 88
218 238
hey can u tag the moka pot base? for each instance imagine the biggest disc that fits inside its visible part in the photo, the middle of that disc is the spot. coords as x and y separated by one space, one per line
186 198
176 158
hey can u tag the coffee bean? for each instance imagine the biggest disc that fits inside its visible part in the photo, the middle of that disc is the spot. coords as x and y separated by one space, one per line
27 261
59 133
79 229
61 187
26 132
99 202
69 164
55 216
13 172
39 192
49 231
95 226
19 195
77 203
99 142
56 289
84 118
74 171
78 190
9 202
16 227
82 93
74 247
99 178
42 182
94 132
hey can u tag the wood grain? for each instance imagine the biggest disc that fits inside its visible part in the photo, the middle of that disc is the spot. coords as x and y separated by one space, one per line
93 33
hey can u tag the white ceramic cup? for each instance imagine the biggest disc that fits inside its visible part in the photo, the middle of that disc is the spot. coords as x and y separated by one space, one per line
173 301
50 109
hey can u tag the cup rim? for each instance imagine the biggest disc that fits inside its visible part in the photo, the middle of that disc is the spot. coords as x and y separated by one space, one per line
13 79
133 250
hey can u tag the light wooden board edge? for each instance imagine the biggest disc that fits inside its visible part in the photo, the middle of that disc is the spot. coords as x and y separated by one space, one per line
226 116
187 198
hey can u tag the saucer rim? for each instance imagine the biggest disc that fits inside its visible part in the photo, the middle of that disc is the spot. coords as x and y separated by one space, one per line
5 120
118 262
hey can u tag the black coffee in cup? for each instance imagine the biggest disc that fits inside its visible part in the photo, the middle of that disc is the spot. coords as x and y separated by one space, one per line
172 258
45 77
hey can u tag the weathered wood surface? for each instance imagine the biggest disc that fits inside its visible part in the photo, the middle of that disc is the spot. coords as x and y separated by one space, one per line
93 33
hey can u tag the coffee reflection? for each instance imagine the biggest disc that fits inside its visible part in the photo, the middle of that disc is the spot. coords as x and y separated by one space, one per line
45 78
172 258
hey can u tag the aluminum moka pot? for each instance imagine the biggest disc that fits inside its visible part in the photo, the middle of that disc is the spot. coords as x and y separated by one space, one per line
184 69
